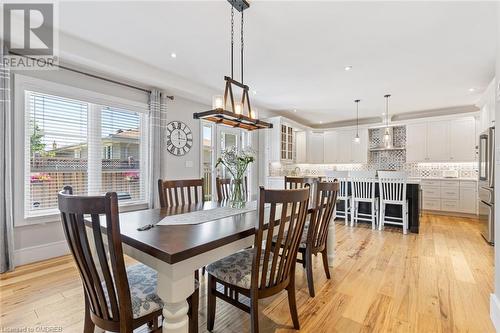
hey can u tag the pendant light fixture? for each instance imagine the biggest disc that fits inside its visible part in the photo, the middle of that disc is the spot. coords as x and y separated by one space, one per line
387 132
356 138
240 114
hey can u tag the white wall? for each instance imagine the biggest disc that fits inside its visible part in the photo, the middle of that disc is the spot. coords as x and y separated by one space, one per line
177 167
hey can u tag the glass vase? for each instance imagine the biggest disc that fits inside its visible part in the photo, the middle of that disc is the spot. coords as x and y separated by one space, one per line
237 193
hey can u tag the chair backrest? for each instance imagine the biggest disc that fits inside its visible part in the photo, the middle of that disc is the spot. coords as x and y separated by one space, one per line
343 178
223 186
292 183
392 186
181 192
363 184
287 210
324 205
105 284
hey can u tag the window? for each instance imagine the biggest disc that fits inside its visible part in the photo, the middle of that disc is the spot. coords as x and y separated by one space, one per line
93 148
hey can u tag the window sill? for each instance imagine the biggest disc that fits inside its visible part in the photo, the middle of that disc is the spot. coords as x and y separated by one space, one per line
55 216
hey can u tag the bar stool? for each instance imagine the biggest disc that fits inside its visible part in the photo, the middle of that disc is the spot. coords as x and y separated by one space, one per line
392 188
343 195
363 190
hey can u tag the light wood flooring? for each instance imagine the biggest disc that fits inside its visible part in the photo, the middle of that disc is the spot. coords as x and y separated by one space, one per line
436 281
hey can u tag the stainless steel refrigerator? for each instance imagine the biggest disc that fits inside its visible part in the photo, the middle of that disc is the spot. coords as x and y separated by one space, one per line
487 184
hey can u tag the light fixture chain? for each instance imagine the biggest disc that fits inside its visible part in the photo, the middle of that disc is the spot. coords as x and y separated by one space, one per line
242 44
232 41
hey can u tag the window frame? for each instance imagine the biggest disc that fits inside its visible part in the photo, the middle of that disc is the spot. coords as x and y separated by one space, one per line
24 83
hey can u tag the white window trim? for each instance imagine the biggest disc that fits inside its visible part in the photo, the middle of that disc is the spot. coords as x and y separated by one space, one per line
23 83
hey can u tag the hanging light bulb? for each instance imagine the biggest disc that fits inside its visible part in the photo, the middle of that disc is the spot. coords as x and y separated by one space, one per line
356 138
217 102
387 133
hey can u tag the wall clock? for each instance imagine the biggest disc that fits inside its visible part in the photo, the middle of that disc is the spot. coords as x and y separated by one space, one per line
179 138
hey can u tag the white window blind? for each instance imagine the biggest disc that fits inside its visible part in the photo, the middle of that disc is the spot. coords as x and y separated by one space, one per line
93 148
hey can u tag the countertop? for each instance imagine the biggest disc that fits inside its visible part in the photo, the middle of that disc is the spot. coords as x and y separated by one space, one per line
411 180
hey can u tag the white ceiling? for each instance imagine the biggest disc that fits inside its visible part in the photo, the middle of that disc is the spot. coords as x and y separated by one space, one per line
426 54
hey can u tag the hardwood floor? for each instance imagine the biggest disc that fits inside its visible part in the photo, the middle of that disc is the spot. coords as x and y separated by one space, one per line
436 281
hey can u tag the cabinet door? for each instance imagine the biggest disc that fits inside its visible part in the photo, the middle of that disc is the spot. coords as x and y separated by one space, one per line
416 142
468 200
462 140
438 141
301 146
316 147
330 147
359 151
344 146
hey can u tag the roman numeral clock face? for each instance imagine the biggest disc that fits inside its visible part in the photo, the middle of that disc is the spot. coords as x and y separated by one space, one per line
179 138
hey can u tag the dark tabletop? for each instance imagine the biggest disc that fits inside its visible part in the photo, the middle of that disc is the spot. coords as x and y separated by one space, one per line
175 243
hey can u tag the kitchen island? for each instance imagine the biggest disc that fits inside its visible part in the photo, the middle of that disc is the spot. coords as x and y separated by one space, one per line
412 194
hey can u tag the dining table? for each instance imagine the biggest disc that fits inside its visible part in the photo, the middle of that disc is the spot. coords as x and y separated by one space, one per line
178 248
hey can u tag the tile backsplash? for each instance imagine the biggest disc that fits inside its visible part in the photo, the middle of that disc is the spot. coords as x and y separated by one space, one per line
417 170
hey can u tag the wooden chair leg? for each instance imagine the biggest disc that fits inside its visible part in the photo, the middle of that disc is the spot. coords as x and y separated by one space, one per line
254 314
88 326
292 302
309 271
211 302
324 255
194 301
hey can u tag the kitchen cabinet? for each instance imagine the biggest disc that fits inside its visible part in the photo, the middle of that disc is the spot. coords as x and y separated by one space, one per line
416 141
451 196
330 151
463 139
344 147
315 147
280 142
442 141
359 151
437 140
275 183
301 147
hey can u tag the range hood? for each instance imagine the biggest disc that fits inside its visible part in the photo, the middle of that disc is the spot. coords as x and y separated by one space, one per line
384 140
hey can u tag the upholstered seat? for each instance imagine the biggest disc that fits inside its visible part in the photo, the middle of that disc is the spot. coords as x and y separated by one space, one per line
142 281
236 268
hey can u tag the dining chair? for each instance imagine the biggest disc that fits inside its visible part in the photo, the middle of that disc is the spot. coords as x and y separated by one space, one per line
314 237
299 182
181 192
363 191
263 270
117 298
392 188
223 186
343 195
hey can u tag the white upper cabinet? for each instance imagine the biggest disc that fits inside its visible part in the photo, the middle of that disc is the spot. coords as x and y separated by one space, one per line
359 151
330 147
463 139
416 141
441 141
344 147
438 141
301 146
315 147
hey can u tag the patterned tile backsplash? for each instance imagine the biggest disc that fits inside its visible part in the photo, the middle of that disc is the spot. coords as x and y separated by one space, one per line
416 170
381 160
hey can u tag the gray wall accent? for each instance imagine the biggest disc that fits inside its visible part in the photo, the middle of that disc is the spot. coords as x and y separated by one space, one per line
435 112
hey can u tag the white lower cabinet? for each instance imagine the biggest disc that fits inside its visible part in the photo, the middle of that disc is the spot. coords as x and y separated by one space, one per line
458 196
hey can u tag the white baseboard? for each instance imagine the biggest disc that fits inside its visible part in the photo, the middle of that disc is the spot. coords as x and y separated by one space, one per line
495 311
40 252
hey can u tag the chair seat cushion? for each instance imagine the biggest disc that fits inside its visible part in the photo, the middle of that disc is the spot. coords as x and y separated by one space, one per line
236 269
142 281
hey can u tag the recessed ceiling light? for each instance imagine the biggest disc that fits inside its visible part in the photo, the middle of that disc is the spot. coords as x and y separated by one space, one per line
347 68
173 55
254 92
295 110
472 89
320 122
